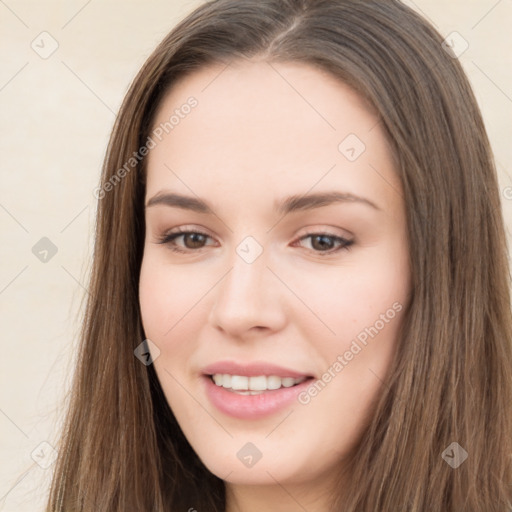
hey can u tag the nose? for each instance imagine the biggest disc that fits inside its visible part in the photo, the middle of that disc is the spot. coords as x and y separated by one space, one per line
248 299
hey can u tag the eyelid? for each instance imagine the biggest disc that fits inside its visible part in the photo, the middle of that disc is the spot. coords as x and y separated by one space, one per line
346 242
170 236
326 230
309 231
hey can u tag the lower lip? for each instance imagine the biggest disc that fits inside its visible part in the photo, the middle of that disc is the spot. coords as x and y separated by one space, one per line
252 406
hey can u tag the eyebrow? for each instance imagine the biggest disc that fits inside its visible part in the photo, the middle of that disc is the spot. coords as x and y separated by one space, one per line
290 204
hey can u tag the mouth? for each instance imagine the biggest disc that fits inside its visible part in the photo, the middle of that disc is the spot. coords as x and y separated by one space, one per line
254 385
253 397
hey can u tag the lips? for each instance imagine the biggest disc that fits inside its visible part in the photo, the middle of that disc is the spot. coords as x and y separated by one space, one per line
252 407
252 404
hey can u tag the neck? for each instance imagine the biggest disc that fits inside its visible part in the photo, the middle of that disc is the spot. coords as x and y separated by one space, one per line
280 496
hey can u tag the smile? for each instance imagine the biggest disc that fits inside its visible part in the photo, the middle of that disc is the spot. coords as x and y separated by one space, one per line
254 385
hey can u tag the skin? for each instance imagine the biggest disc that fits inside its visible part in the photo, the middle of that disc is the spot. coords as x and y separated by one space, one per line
259 133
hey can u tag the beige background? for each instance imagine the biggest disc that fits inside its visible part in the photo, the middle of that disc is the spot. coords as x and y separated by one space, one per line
57 113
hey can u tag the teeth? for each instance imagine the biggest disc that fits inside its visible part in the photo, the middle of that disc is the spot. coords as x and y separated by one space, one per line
218 379
288 382
238 382
254 385
258 383
273 382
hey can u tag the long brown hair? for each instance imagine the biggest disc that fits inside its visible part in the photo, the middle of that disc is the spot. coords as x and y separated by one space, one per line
451 381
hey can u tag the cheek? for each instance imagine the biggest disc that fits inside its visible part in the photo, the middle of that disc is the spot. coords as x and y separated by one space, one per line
174 308
167 294
370 313
155 301
166 301
354 297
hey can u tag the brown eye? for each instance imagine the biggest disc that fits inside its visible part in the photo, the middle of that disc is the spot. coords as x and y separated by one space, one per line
322 242
326 243
192 241
196 240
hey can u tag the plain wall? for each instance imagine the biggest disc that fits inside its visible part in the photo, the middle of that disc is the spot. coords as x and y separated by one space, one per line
57 113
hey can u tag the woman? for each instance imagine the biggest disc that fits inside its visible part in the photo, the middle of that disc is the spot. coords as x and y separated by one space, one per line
300 296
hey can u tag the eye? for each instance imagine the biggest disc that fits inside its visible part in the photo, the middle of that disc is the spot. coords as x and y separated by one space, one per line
325 243
193 240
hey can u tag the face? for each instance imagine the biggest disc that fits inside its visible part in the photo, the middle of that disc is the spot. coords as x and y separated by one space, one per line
275 268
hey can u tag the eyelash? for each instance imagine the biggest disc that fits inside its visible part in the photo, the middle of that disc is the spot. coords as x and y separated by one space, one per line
169 238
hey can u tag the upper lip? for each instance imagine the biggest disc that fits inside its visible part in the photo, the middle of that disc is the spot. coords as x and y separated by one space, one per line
252 369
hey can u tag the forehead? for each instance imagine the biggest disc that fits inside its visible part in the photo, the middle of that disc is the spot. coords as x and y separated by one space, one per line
267 126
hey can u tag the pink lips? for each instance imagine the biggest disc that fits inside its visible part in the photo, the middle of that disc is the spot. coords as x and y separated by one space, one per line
251 406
